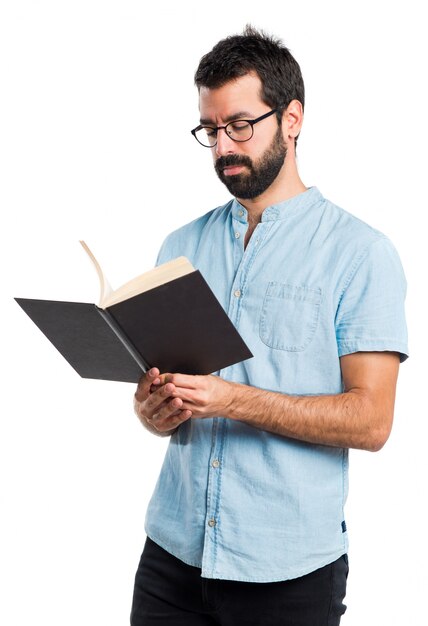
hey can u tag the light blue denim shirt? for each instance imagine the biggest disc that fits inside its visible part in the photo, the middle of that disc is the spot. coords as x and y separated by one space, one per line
314 283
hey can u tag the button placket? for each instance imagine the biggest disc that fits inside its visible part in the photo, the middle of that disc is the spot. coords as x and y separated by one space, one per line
243 260
213 510
238 232
246 260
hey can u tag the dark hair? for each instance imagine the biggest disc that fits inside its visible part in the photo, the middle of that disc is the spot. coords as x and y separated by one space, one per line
255 51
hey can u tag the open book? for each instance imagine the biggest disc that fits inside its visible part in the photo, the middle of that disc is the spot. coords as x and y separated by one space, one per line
167 317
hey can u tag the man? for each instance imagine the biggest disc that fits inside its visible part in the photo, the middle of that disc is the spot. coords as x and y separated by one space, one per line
246 523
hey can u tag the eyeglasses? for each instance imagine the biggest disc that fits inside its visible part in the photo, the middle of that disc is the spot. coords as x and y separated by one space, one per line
238 130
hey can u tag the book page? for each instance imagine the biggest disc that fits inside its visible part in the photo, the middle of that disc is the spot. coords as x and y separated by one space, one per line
105 288
149 280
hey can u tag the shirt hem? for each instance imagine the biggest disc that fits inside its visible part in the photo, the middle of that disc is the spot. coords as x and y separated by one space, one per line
274 578
281 577
168 548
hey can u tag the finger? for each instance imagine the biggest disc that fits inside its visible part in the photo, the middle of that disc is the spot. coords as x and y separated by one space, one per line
155 385
187 381
145 382
187 394
173 421
165 378
162 379
167 410
156 399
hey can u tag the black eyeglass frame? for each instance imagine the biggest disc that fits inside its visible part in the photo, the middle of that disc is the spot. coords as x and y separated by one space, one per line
217 128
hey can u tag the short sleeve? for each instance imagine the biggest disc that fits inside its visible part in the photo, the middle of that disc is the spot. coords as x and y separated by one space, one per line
165 253
371 315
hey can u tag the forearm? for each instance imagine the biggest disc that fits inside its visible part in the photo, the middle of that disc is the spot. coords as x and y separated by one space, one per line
361 417
349 420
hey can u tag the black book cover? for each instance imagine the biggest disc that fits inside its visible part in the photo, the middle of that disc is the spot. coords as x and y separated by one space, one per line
178 327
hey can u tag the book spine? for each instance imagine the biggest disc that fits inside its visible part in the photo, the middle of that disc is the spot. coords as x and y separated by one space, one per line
109 319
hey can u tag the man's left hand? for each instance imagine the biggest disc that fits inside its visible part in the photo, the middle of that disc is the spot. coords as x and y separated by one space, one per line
205 396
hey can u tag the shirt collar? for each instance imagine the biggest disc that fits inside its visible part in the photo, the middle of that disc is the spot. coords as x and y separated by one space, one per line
281 210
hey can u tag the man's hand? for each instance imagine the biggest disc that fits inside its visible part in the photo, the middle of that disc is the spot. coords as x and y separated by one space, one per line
204 396
157 405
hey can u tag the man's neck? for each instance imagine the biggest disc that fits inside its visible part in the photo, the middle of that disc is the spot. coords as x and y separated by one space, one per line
287 185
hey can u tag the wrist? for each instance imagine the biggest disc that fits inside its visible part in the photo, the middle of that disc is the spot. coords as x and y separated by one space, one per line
234 392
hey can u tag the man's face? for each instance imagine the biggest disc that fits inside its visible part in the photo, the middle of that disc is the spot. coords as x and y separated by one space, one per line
246 168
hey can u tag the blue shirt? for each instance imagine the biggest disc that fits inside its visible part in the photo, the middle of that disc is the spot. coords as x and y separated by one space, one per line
314 283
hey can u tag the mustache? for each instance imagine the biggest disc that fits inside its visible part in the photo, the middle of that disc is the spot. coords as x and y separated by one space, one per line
232 159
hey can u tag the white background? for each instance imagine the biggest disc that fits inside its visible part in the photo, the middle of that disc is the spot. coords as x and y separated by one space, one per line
97 100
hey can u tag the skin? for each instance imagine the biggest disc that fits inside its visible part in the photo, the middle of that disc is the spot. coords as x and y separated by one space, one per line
360 417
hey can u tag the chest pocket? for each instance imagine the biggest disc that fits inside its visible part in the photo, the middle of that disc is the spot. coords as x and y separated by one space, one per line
289 316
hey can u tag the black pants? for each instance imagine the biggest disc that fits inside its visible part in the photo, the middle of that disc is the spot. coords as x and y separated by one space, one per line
167 591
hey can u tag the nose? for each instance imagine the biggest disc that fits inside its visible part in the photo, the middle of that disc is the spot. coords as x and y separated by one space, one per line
225 145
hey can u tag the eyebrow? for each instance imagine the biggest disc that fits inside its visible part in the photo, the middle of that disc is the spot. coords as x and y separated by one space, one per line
236 116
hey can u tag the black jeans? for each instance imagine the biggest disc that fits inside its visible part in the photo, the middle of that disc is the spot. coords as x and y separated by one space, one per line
168 591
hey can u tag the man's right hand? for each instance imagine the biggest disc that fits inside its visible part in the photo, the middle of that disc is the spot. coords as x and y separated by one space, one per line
156 406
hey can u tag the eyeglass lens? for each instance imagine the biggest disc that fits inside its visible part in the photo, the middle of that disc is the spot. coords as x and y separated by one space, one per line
238 130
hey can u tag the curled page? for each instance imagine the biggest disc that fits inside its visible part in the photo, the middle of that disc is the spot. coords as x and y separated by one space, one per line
105 288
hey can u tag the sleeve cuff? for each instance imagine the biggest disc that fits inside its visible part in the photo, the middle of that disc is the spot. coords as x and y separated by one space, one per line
356 345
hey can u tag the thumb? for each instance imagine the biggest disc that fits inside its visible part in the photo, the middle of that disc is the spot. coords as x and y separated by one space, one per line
143 389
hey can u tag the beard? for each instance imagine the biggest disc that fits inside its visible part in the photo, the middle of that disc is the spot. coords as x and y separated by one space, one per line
261 173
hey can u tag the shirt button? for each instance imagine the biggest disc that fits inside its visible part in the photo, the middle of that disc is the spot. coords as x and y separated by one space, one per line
240 212
216 463
237 235
237 293
211 522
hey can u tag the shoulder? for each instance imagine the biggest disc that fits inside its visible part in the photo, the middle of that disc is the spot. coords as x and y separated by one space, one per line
347 227
352 238
185 239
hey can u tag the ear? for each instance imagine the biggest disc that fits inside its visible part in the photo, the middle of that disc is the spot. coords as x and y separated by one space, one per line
292 119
